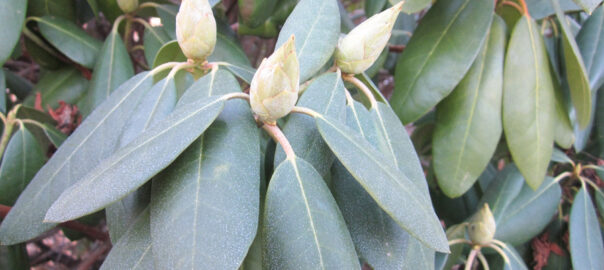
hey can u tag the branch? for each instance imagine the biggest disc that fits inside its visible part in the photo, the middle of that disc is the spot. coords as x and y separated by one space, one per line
89 231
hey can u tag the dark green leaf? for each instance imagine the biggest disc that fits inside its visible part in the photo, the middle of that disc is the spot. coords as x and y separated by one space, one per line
386 184
14 257
22 158
455 232
12 15
66 84
374 89
585 242
214 83
133 250
254 13
316 26
59 8
3 93
94 140
216 182
576 73
111 70
52 134
503 189
325 95
528 102
468 122
302 224
438 55
600 201
564 135
516 262
374 7
70 39
169 52
529 213
133 165
591 44
154 39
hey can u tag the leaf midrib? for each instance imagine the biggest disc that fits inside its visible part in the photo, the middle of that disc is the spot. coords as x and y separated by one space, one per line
75 37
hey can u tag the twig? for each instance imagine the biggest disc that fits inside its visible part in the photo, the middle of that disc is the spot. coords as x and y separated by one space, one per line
275 132
361 86
396 48
91 232
471 258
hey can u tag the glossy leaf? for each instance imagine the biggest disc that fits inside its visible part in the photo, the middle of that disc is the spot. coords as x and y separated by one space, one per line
12 16
316 26
516 262
529 213
169 52
133 165
443 46
564 135
14 257
325 95
386 185
576 74
22 158
94 140
66 84
17 84
503 189
70 39
216 182
528 102
302 224
468 122
133 250
154 39
585 242
255 13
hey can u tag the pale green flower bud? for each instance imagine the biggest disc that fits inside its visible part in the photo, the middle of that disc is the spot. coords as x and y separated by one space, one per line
482 226
127 6
358 50
196 29
274 89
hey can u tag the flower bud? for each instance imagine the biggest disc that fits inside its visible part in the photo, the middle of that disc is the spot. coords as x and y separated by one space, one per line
196 29
358 50
274 89
127 6
482 226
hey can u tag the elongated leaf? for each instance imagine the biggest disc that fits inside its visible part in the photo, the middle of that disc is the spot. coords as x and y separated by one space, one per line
22 158
216 182
412 6
12 15
591 44
516 262
576 74
154 39
529 213
244 73
447 27
588 5
167 14
585 242
374 89
133 251
111 70
229 51
66 84
71 40
133 165
214 83
560 157
14 257
540 9
255 13
394 142
169 52
316 26
528 102
94 140
302 223
564 135
386 185
325 95
58 8
468 122
503 189
152 108
3 94
374 7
